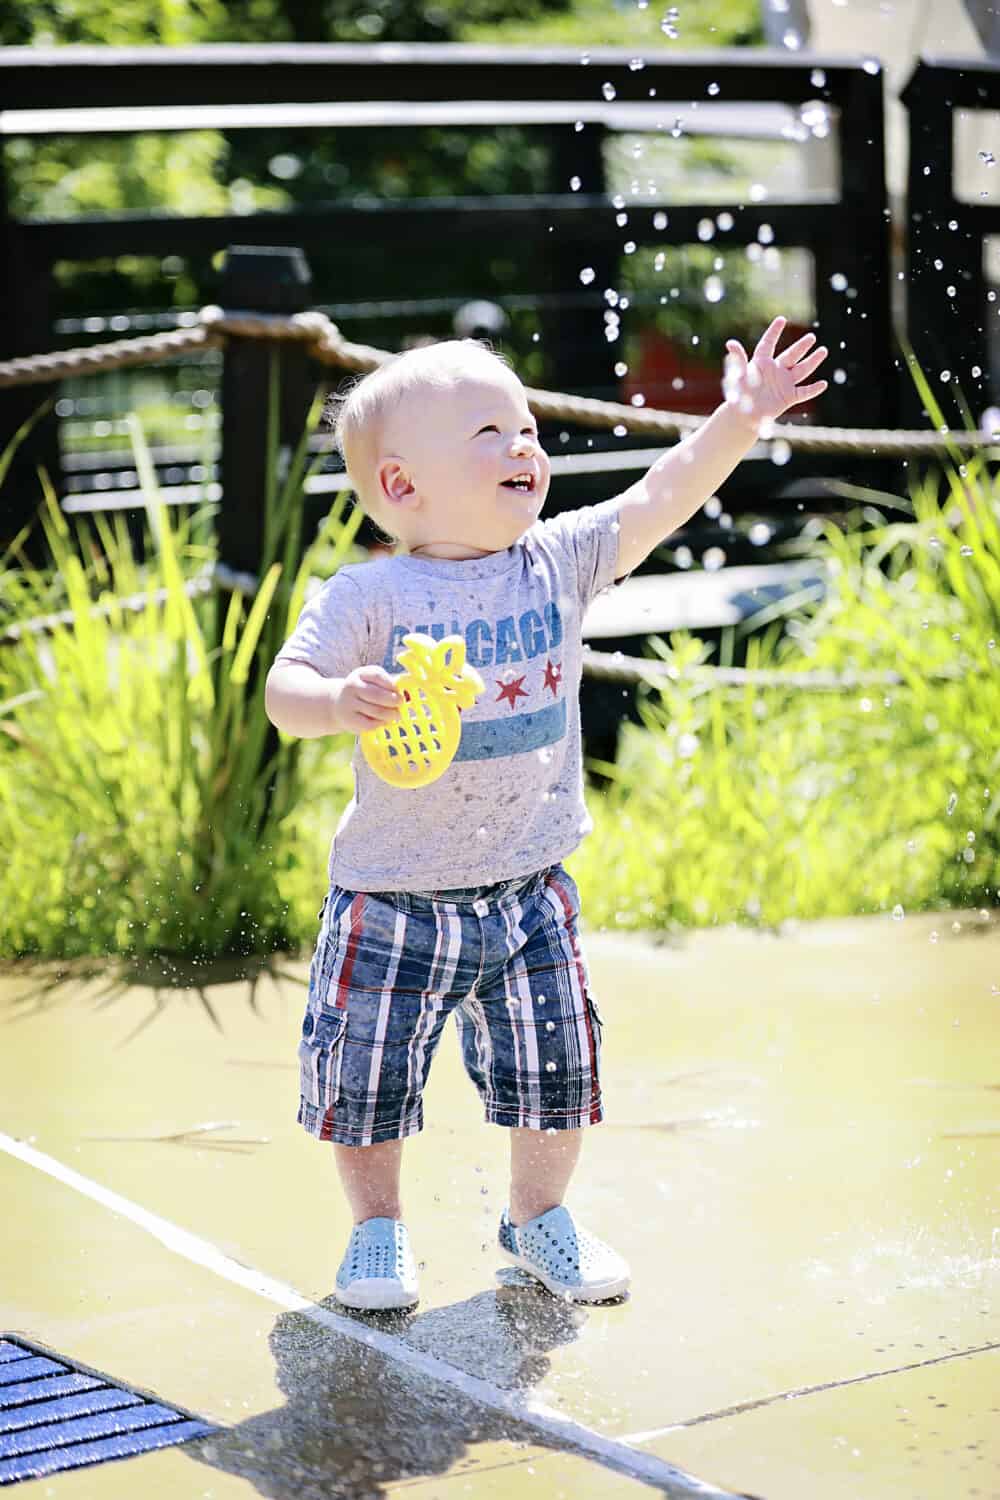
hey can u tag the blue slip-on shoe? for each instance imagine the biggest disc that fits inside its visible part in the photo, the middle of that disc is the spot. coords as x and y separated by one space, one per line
564 1257
378 1269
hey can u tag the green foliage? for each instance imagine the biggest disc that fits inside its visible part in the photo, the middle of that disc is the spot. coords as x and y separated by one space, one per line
757 804
142 802
626 23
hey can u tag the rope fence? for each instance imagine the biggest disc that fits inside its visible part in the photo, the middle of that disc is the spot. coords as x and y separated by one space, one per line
605 666
328 346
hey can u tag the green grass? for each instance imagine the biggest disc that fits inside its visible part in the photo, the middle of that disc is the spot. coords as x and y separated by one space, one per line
758 804
143 805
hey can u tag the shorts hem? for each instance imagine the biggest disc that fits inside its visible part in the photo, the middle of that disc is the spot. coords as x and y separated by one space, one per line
512 1115
319 1124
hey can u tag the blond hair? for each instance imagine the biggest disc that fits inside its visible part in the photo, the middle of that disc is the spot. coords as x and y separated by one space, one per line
359 413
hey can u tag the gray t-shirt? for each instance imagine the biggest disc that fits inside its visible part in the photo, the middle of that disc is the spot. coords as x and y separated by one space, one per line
511 802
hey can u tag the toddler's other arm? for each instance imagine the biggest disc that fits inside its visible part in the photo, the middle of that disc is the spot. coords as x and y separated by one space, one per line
299 700
679 482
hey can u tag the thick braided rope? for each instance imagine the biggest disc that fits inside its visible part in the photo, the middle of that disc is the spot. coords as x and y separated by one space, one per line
328 346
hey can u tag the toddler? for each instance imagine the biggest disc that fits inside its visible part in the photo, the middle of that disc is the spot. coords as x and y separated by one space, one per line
452 898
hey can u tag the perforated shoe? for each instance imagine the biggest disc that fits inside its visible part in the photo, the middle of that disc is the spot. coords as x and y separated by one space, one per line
377 1270
564 1257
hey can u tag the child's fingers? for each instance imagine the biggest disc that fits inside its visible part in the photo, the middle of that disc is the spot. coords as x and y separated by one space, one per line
807 366
788 356
768 341
809 392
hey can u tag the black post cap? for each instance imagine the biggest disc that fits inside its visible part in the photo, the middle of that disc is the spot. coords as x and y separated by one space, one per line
268 278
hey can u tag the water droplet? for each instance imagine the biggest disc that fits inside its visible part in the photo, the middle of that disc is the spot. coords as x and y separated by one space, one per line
898 913
550 1026
791 39
713 559
714 289
660 221
574 184
952 803
760 533
713 89
481 832
724 220
765 234
780 452
987 158
952 224
621 368
945 376
636 64
669 23
658 260
839 376
817 78
965 551
933 937
540 999
687 745
629 247
587 275
838 281
550 1067
609 91
584 59
872 65
706 229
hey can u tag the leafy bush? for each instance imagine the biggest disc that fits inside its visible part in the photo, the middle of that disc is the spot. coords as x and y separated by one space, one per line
146 804
755 803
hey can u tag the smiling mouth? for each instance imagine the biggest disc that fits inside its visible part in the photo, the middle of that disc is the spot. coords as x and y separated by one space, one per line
524 484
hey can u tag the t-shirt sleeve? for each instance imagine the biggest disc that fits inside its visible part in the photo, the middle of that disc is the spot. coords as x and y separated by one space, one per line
588 540
332 630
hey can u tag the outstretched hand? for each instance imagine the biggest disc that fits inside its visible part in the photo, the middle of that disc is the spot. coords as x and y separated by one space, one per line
763 387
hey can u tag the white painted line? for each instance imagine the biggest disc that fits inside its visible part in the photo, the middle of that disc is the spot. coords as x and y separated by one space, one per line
549 1424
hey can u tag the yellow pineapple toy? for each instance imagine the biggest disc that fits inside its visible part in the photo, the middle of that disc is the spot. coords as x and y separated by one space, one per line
418 746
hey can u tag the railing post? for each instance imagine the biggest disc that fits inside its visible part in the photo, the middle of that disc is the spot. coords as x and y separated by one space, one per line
946 290
25 328
268 279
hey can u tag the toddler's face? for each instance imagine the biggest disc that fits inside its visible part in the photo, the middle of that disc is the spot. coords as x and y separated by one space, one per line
462 466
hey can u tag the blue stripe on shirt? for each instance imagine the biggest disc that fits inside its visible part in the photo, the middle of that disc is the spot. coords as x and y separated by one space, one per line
489 738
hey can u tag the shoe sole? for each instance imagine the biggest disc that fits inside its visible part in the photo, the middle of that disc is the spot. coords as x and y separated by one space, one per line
375 1296
601 1292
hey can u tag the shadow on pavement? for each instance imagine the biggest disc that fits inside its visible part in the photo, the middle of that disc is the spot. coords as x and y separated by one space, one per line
356 1420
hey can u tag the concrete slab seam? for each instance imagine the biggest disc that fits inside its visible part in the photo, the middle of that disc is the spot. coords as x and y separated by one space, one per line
616 1454
803 1390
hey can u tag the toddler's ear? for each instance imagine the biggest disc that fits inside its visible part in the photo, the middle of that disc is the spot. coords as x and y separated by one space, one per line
394 482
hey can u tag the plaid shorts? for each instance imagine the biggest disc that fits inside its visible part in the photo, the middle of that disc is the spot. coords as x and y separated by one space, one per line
390 967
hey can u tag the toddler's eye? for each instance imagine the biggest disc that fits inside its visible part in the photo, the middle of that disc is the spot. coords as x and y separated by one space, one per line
491 427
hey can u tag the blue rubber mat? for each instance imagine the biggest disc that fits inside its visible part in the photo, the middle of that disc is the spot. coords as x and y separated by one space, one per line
58 1415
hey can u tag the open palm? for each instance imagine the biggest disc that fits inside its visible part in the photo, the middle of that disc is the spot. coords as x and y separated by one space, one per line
766 385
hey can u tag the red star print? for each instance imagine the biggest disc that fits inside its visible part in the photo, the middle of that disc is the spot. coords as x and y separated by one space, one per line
553 677
511 691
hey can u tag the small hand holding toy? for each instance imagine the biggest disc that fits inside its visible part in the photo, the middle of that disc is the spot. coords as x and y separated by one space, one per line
767 385
417 747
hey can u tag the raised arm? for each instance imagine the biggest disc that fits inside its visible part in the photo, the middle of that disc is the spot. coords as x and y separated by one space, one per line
756 391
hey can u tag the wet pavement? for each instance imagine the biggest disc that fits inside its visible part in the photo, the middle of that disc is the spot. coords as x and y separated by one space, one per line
801 1162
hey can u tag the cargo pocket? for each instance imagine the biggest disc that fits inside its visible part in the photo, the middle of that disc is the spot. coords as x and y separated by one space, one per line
596 1026
321 1055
